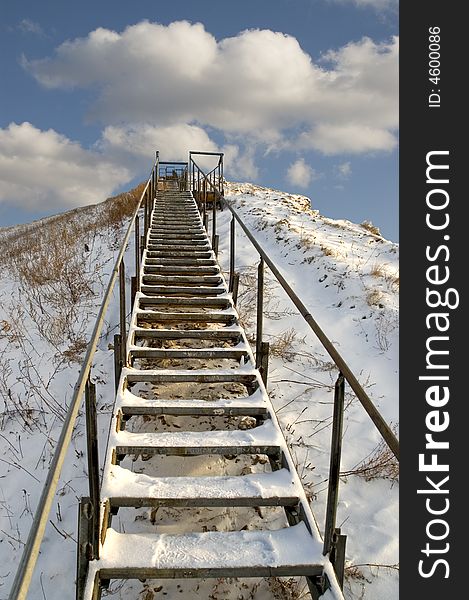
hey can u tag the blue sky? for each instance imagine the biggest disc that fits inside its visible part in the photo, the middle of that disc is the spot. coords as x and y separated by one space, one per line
301 95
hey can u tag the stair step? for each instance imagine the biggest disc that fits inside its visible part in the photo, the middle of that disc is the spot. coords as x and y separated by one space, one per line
179 248
125 488
191 375
201 353
163 212
157 235
283 552
189 261
209 270
215 302
185 257
264 439
253 405
181 334
205 317
183 279
161 290
170 241
163 221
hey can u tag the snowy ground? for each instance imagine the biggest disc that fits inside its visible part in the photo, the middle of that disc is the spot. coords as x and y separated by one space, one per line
345 274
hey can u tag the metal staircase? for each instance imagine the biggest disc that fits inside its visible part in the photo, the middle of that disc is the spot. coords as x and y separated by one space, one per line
187 358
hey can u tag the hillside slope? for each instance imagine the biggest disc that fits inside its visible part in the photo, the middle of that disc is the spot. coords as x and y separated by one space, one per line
53 275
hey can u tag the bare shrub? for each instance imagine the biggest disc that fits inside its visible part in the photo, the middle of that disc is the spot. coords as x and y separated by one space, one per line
293 588
385 325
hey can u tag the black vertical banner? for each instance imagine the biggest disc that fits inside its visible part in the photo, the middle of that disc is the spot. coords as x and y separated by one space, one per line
434 324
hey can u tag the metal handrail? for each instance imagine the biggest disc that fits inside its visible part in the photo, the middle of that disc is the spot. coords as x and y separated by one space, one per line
378 420
30 554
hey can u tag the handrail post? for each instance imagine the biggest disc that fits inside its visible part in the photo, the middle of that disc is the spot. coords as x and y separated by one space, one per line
260 313
232 252
145 214
214 217
334 467
137 252
122 324
93 464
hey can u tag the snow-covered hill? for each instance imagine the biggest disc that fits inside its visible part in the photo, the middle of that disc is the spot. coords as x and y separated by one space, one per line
53 274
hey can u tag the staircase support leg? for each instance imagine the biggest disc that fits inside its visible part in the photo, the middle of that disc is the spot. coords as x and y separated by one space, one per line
84 545
93 465
117 359
232 252
260 311
122 313
264 362
235 288
334 467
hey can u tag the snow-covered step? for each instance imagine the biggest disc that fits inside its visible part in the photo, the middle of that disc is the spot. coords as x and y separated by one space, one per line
245 375
205 317
254 405
186 280
176 220
232 333
191 290
173 256
179 247
190 261
217 302
194 253
173 239
194 228
263 439
125 488
181 270
201 353
284 552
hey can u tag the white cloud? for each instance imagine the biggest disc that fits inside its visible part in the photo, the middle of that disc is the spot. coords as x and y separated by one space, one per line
141 140
130 143
301 174
28 26
260 84
376 4
352 139
47 171
240 165
344 169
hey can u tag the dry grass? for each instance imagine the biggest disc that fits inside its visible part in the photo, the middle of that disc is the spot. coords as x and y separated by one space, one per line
374 297
378 270
379 464
57 270
283 345
368 225
391 278
327 251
